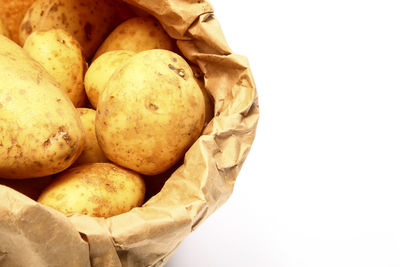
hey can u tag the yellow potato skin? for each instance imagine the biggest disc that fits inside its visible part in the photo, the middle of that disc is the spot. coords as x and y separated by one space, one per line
137 34
41 133
13 11
150 113
3 29
61 55
92 152
208 100
97 189
101 70
89 21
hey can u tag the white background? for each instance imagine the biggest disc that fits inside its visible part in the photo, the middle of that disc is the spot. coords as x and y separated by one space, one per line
320 186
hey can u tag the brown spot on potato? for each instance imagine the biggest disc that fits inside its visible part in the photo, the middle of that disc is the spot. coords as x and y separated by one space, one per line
46 143
27 27
68 157
37 163
181 73
63 19
152 107
63 132
54 8
110 188
88 28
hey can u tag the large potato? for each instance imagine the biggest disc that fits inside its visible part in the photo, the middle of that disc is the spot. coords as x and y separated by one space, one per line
101 70
13 11
29 187
89 21
61 55
3 29
98 189
150 113
92 152
40 130
137 34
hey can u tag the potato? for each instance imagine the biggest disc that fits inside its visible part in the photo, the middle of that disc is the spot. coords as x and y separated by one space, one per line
150 113
13 11
101 70
61 55
89 21
40 130
97 189
92 152
137 34
30 187
208 101
3 29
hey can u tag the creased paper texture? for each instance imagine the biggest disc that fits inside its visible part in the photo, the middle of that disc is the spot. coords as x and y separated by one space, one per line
34 235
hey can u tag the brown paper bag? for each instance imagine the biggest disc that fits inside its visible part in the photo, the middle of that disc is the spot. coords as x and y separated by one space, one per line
35 235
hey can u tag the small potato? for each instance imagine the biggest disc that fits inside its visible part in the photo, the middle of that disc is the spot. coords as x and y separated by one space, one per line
137 34
29 187
61 55
13 11
208 101
89 21
97 189
101 70
150 113
3 29
40 130
92 152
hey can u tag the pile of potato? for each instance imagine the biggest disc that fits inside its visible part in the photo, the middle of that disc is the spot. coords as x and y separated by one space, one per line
82 138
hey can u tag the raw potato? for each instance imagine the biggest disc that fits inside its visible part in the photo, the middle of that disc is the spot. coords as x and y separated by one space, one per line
209 106
61 55
101 70
29 187
13 11
89 21
92 152
150 113
40 130
98 189
137 34
3 29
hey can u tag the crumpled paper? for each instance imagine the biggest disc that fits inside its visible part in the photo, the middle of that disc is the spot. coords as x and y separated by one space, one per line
35 235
